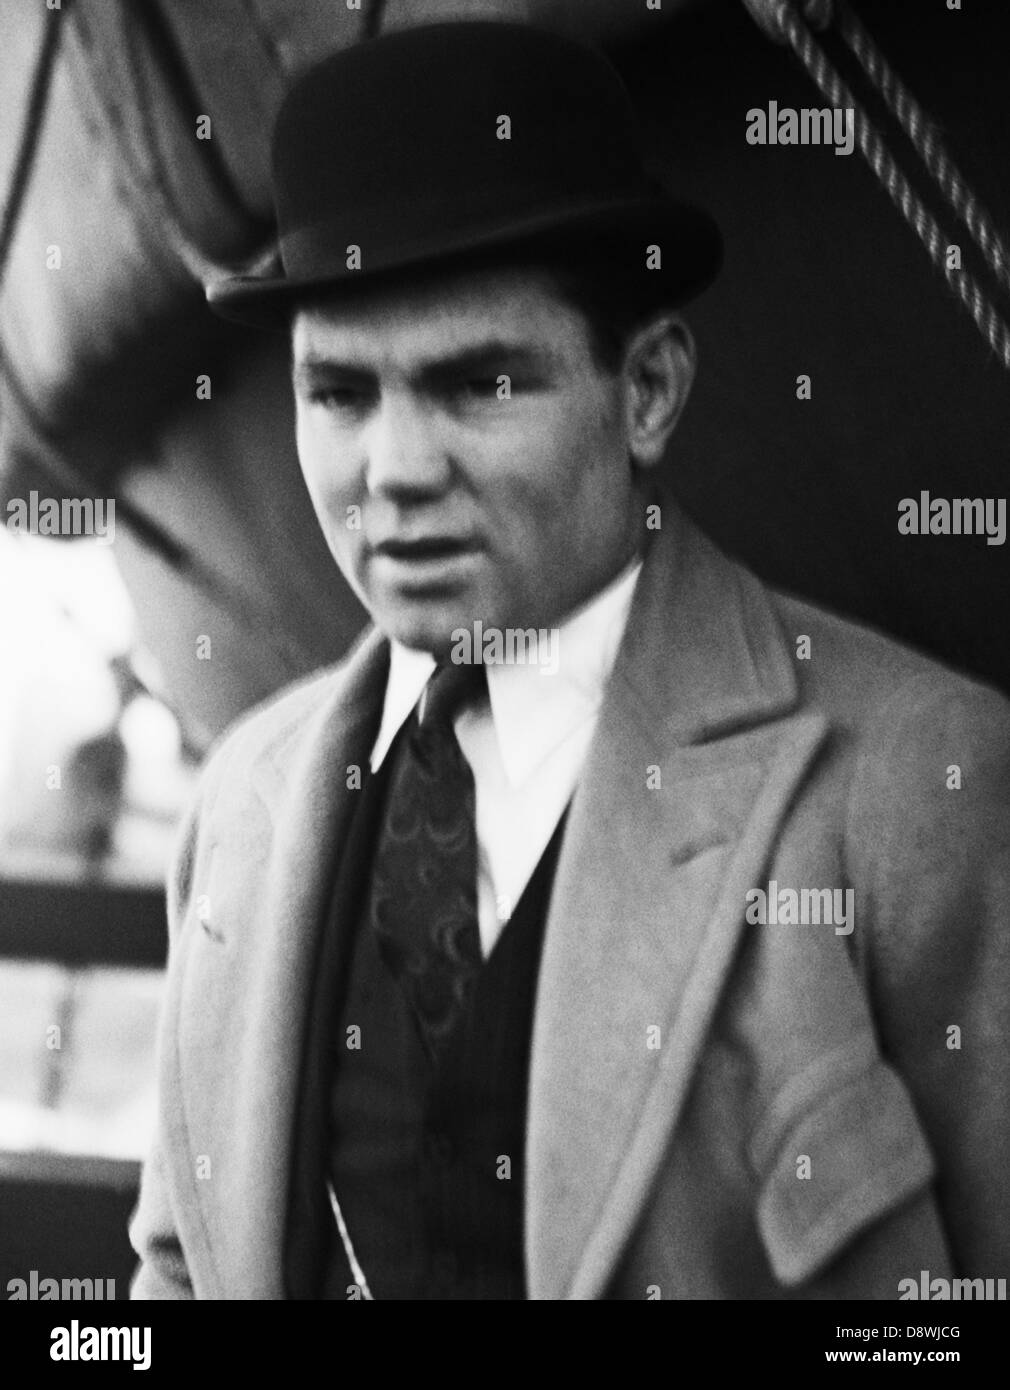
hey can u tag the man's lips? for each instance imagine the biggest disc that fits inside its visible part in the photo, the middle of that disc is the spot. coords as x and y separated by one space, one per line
425 548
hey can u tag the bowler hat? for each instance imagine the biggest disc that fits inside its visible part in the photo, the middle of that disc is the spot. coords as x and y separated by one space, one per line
436 142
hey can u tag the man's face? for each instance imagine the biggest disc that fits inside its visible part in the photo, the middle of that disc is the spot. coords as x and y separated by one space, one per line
465 455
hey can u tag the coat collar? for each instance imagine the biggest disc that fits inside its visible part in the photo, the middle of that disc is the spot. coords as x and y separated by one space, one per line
697 751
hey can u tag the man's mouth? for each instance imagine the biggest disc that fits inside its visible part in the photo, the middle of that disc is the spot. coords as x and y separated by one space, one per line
425 548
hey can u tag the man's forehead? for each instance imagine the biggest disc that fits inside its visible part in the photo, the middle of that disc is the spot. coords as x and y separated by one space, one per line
454 313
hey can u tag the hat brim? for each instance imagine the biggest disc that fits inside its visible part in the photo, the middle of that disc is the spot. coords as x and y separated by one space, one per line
688 238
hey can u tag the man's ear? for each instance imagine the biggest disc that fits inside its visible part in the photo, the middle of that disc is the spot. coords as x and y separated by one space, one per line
659 364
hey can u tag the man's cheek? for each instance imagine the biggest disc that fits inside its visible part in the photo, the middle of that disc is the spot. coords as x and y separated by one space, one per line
307 441
336 498
343 527
310 458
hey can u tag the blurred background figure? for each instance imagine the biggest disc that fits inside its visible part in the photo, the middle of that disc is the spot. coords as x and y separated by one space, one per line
93 774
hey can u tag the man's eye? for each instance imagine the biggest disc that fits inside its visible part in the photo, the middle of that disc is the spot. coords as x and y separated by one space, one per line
479 388
338 397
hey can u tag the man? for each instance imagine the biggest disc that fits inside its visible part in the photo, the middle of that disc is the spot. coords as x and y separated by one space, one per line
666 959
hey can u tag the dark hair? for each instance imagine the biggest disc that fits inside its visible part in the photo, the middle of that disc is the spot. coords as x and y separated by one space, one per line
614 299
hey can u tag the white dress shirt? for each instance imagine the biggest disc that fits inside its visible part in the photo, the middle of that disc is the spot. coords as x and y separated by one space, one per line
525 745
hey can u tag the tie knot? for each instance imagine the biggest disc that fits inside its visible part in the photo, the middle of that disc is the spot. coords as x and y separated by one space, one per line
449 688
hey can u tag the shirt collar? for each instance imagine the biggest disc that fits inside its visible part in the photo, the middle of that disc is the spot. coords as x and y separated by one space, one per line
408 675
534 708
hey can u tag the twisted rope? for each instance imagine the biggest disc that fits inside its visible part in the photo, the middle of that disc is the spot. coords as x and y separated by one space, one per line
817 13
926 138
969 292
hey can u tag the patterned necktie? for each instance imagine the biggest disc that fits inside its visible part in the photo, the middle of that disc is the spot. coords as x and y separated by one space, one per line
424 874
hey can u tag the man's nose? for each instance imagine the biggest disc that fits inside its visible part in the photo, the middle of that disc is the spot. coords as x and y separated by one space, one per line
403 452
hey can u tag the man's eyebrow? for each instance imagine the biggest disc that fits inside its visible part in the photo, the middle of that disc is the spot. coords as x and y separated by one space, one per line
315 369
498 352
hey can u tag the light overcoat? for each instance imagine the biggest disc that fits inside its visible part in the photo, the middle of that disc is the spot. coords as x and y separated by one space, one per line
717 1108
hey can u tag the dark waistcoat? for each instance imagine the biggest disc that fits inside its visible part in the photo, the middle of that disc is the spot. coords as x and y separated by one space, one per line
426 1156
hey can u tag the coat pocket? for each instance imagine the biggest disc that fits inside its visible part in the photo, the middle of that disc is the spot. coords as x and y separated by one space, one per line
866 1155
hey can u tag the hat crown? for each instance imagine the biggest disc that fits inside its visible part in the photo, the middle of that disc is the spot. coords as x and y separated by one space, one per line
450 109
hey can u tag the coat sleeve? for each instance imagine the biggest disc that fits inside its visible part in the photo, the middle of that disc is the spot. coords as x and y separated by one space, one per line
930 812
162 1273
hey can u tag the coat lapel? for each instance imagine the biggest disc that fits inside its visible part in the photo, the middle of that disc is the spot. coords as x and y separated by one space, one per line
695 756
281 910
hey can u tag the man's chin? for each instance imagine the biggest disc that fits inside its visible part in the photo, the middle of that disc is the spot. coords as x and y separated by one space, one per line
430 631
